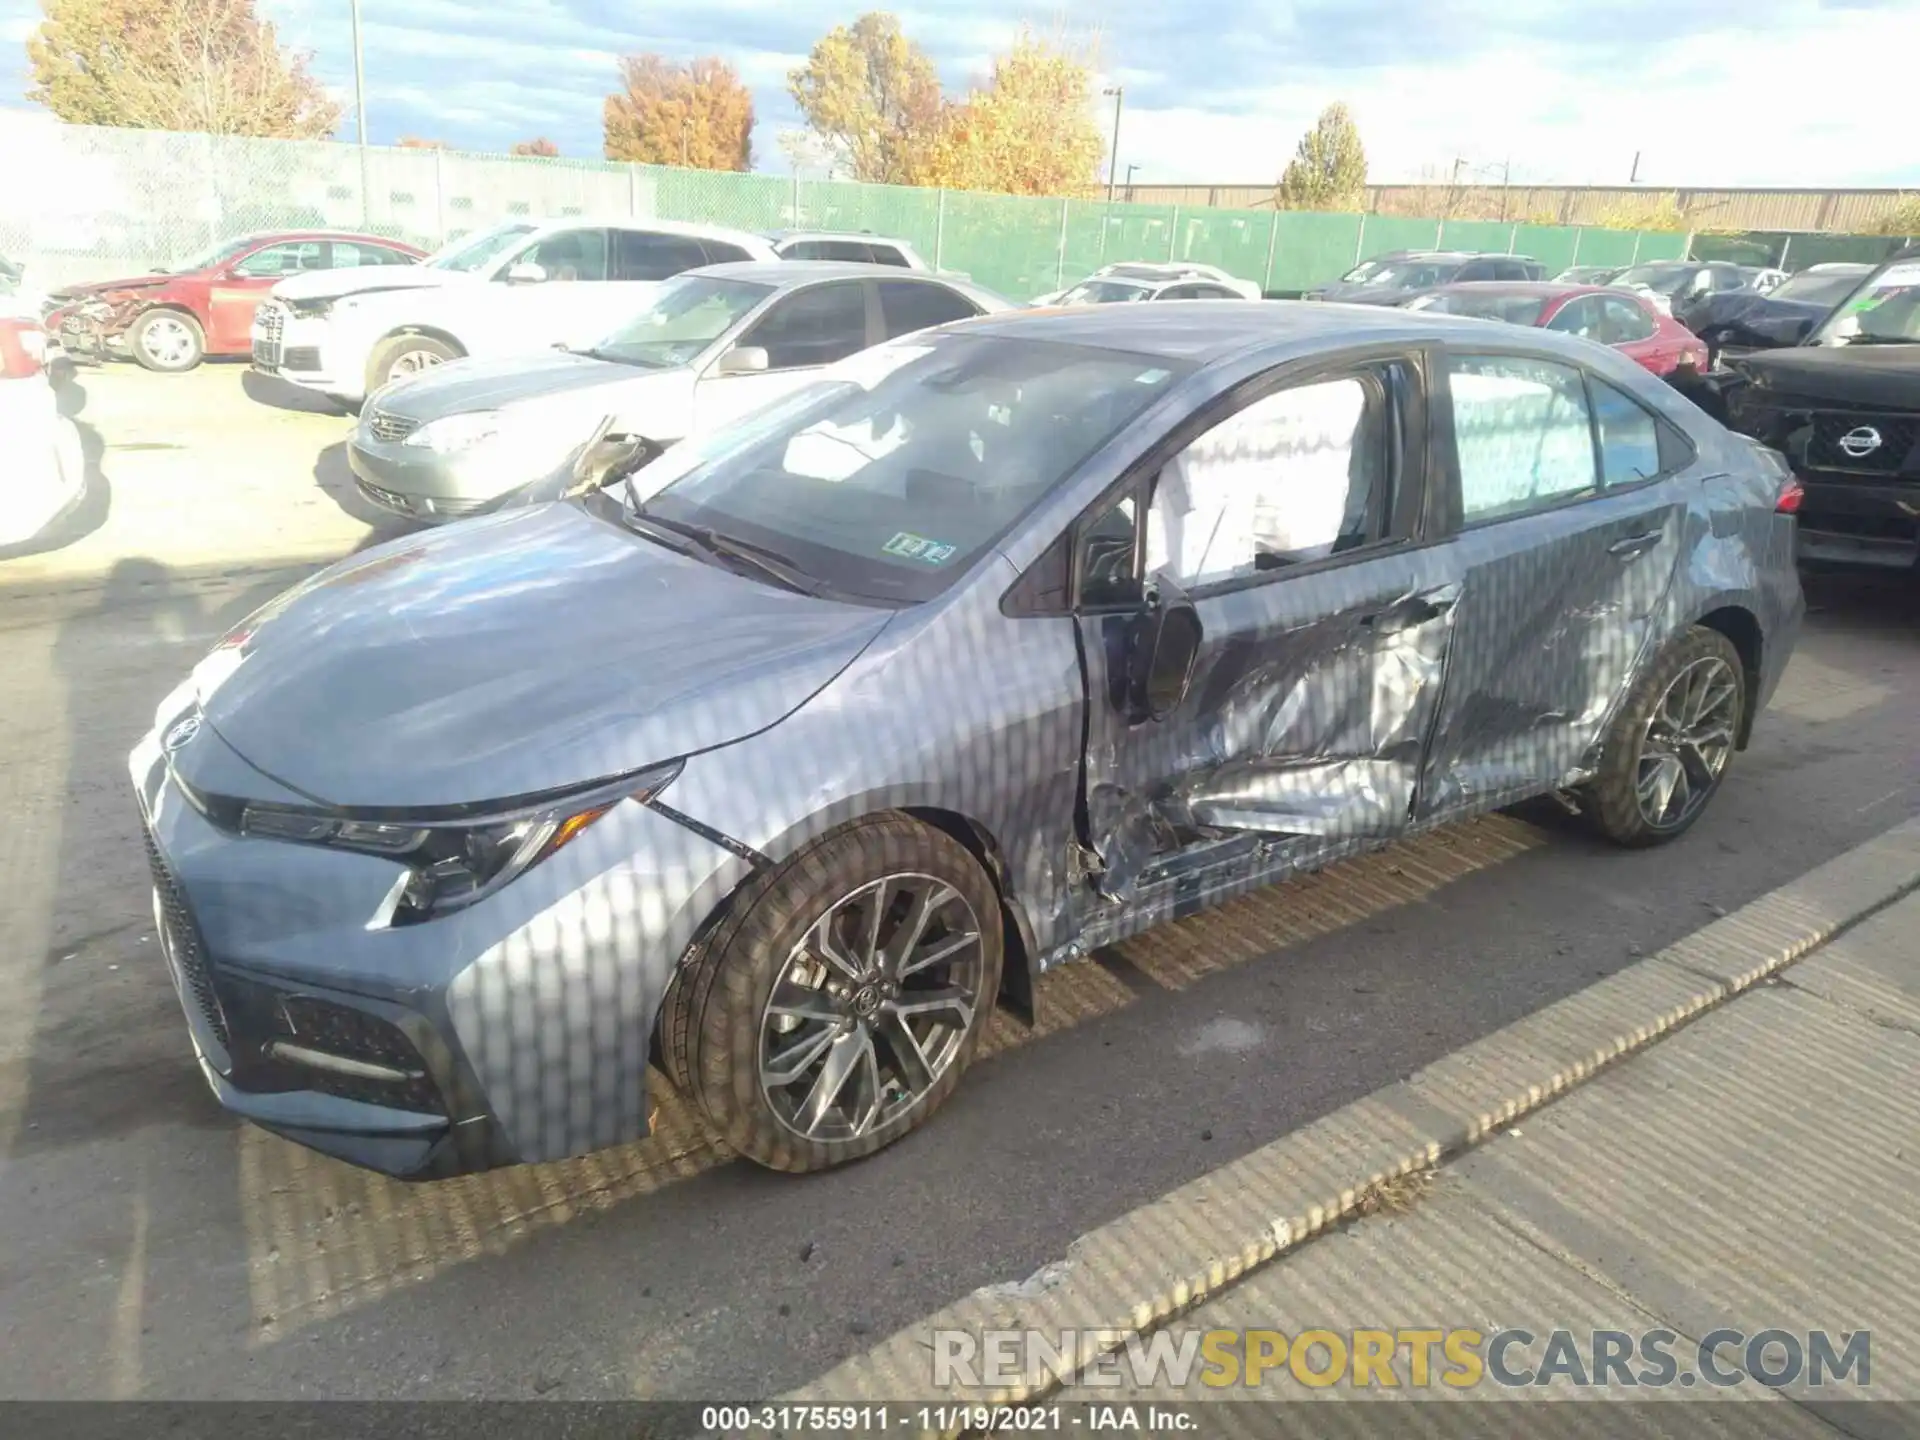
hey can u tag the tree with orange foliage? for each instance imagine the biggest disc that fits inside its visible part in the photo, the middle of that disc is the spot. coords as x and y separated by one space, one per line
1031 130
698 114
203 65
540 146
414 142
872 96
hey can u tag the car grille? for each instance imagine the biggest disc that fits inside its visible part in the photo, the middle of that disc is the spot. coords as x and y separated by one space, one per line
1898 434
456 507
385 425
273 324
185 937
405 504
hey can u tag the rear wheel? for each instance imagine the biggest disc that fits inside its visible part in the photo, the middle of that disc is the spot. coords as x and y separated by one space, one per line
1672 741
836 1008
406 355
169 341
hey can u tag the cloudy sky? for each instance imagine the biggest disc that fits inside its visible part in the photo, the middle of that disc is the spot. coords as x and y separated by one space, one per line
1713 92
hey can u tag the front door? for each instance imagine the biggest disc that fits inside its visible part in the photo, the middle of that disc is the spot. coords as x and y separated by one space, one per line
802 334
1291 525
235 295
1569 529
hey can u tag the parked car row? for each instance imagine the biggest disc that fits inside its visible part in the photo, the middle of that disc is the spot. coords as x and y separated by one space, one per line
776 768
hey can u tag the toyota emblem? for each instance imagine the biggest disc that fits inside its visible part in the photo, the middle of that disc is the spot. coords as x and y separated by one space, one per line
181 733
1861 441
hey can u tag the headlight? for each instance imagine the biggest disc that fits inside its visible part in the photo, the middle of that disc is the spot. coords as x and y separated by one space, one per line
308 309
456 432
455 863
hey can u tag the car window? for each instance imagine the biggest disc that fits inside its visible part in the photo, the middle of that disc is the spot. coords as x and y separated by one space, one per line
910 305
1509 270
883 254
817 326
719 252
1179 292
649 255
1580 316
1626 321
804 250
1477 270
570 256
1521 434
1293 477
288 259
349 255
1629 435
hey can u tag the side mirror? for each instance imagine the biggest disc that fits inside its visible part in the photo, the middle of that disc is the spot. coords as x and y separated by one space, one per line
742 360
526 272
1163 642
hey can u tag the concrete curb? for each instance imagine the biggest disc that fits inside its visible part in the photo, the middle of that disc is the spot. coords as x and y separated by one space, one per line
1129 1276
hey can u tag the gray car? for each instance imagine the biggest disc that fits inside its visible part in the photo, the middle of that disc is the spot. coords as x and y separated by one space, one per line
781 769
708 345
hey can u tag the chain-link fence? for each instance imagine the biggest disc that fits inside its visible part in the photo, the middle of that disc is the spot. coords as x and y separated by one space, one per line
93 203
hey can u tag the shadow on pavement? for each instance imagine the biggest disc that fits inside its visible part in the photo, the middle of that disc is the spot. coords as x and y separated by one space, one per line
1864 601
266 390
332 474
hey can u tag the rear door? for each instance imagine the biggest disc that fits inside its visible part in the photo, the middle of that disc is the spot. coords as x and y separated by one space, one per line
1562 489
802 333
1289 515
907 306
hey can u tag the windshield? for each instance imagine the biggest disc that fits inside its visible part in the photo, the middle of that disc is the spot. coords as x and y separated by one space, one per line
218 255
471 252
1661 279
1826 288
1886 311
888 477
1361 271
1102 292
1514 309
1410 274
683 317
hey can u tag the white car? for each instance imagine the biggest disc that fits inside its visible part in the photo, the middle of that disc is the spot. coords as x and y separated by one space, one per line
1132 280
855 248
42 468
708 347
517 288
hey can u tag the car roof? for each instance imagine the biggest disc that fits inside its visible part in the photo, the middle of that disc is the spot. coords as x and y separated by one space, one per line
788 273
1200 333
694 229
780 237
1537 289
1461 255
272 237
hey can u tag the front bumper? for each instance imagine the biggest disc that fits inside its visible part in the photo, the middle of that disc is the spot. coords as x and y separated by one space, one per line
516 1030
417 483
296 349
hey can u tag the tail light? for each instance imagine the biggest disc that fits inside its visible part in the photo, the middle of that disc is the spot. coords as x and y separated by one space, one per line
23 349
1791 495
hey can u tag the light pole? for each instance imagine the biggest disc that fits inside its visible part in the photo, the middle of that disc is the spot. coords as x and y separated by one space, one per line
686 138
1113 156
360 108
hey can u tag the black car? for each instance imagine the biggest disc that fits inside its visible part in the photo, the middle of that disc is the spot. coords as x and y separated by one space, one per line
1844 407
1399 275
1737 322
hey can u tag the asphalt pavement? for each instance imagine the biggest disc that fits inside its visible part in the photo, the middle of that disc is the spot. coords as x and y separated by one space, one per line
150 1246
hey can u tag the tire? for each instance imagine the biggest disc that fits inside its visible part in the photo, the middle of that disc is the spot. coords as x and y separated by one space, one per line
1701 675
170 342
405 354
886 1087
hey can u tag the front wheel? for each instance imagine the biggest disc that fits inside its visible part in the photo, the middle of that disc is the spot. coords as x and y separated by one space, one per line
167 341
406 355
835 1010
1672 741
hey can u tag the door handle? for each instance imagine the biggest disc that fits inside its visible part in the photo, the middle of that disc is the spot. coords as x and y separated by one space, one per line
1635 544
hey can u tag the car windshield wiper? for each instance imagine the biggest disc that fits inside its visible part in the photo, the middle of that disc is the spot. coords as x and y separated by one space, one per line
759 558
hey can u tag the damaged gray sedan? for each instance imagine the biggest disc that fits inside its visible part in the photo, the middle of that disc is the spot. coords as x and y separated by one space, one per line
781 765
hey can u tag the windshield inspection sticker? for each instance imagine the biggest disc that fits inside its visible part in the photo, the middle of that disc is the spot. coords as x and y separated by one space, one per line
918 547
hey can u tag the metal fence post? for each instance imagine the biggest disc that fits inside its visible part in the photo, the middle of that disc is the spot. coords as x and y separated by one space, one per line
1273 240
1173 234
1360 240
1439 231
1786 247
1513 239
939 229
1060 251
439 197
633 192
1578 231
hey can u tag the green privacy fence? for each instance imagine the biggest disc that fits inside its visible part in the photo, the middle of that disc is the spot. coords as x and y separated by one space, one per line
96 202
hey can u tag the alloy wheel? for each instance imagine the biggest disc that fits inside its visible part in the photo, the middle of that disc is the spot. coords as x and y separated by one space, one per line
412 362
167 341
872 1008
1688 740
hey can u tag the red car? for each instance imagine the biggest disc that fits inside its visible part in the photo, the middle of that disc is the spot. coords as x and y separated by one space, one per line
1623 319
172 319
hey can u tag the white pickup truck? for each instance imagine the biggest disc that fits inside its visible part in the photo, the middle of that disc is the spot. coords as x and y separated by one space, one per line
518 288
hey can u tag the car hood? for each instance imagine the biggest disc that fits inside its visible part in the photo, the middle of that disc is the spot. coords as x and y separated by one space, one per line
101 287
361 279
513 655
489 384
1870 376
